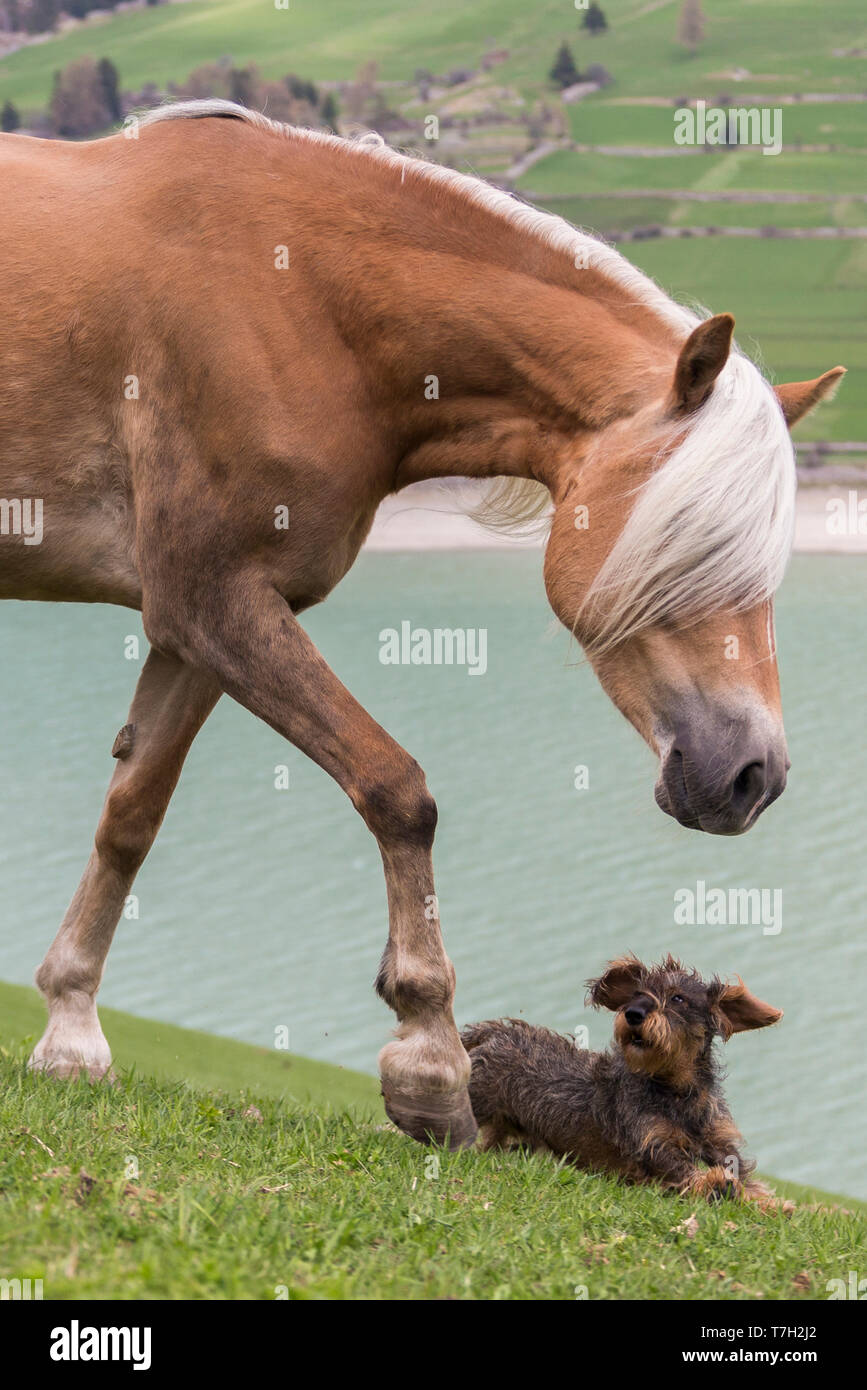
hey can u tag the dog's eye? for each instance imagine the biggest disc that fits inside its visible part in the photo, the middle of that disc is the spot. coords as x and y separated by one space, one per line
678 999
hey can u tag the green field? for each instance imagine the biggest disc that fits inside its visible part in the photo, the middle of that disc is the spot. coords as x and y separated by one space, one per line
605 120
786 44
215 1170
741 170
799 305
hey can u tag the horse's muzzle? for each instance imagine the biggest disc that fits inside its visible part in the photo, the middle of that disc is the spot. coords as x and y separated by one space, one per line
721 779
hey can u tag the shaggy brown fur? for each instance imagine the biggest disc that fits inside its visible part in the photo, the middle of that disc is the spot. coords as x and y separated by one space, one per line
651 1108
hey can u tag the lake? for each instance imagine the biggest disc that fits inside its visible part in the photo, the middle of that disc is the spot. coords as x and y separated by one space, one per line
263 907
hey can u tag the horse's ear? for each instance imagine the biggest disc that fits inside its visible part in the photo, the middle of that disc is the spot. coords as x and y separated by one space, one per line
702 358
799 397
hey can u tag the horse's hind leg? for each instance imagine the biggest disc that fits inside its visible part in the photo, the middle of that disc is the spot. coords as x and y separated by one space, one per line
170 705
248 636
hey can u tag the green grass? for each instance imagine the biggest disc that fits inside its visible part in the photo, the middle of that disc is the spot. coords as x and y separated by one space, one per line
314 1198
164 1052
801 304
602 120
607 214
722 171
329 41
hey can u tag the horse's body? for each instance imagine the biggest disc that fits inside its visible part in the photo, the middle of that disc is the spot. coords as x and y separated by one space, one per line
219 342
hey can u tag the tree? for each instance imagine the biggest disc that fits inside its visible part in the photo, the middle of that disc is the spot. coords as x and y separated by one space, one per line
10 17
361 96
301 89
690 25
594 20
41 16
78 100
9 118
242 86
598 73
328 111
108 81
564 72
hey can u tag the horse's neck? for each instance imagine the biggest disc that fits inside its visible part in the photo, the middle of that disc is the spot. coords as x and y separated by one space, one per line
492 373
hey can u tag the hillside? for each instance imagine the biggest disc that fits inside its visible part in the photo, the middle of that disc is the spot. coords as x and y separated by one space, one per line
786 44
213 1170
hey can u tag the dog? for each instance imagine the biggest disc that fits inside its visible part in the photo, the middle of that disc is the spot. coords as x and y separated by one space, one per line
651 1108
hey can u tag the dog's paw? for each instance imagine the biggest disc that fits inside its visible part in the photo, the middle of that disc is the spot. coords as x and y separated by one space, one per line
715 1185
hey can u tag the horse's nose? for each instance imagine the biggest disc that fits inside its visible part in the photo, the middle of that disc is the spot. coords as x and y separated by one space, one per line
721 780
748 787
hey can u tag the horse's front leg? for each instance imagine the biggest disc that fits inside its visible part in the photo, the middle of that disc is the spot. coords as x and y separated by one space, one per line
170 705
247 635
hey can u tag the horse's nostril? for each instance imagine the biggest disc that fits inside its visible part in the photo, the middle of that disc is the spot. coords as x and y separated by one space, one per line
749 785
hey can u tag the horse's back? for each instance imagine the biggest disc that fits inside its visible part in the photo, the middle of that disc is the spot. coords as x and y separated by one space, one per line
157 360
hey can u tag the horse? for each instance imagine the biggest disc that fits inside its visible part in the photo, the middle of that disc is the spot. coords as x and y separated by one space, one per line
226 342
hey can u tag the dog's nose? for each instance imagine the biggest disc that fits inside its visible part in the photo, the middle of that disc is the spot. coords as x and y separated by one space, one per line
636 1013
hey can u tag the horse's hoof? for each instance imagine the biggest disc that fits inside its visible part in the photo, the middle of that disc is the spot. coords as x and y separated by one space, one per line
431 1118
67 1063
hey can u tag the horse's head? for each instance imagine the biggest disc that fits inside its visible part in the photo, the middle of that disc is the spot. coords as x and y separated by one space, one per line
667 544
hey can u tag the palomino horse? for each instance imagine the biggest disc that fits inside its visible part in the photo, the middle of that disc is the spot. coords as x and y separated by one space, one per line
219 342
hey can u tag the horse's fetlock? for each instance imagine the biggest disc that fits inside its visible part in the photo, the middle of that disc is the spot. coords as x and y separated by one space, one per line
415 989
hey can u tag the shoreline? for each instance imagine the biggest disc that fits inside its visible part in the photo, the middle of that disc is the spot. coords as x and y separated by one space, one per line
433 516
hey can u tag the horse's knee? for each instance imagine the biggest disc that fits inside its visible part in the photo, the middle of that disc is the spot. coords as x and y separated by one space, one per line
398 807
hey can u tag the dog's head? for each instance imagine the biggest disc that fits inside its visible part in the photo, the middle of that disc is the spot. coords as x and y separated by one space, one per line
667 1016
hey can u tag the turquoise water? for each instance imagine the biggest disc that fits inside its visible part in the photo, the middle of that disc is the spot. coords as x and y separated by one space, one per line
262 908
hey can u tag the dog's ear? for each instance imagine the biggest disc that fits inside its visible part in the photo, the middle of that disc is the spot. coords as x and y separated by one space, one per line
617 986
737 1010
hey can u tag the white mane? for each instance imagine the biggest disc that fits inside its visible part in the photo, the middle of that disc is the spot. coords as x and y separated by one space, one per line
712 527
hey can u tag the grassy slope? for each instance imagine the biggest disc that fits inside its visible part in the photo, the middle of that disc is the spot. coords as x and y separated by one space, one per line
802 303
167 1053
320 1199
330 41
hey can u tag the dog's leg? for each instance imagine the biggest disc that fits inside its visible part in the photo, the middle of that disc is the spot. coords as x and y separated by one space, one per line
721 1150
668 1157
